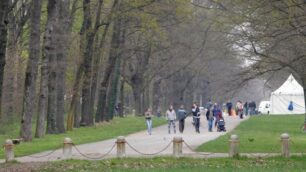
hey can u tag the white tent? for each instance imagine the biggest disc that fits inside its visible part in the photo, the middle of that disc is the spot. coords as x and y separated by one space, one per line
291 90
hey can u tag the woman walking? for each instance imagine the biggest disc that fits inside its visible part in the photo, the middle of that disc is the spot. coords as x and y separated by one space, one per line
148 116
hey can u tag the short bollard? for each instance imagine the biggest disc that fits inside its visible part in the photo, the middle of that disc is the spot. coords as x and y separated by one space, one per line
285 144
177 146
234 146
134 112
9 150
120 146
67 148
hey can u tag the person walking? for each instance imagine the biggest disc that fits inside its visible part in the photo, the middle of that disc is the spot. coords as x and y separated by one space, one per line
215 111
181 115
148 116
246 108
239 108
196 116
171 117
210 118
229 106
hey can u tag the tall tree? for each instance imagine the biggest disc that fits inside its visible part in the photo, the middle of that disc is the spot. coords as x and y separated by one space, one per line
31 72
17 18
111 62
4 6
50 53
91 32
62 48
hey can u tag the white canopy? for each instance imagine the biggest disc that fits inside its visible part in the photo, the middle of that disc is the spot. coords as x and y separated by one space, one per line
290 91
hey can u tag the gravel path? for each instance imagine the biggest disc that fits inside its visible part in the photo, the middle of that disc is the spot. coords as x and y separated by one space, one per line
144 143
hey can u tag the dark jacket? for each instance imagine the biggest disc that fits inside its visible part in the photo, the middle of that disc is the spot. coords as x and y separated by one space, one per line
181 114
196 112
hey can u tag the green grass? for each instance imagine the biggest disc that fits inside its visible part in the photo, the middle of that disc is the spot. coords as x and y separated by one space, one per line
167 164
262 134
118 126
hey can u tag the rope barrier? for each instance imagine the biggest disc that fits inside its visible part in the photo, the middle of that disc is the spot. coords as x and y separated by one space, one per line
199 153
94 158
253 155
41 156
133 148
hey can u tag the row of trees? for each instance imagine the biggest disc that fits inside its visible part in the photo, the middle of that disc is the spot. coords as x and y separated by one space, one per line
68 63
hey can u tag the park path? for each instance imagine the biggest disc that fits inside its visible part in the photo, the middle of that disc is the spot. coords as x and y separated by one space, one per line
144 143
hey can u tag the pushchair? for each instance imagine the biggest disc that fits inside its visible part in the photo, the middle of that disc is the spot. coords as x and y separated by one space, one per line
221 125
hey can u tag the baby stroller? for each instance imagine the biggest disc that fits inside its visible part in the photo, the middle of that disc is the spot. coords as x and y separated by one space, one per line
221 125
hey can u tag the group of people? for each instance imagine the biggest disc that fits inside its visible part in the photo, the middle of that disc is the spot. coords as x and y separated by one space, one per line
172 116
213 113
241 109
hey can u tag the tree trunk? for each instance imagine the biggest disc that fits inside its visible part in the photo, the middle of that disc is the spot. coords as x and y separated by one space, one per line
137 99
3 39
111 61
31 73
43 95
73 119
95 72
63 38
114 85
156 96
87 119
9 73
50 53
113 90
87 116
121 98
43 92
10 68
121 90
94 77
52 94
147 102
304 88
98 116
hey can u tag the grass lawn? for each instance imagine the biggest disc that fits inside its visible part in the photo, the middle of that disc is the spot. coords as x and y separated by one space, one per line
118 126
162 164
262 134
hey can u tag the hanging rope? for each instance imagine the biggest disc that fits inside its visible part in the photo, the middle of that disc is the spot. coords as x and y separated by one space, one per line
94 158
133 148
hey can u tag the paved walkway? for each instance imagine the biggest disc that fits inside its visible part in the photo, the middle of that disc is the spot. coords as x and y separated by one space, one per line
145 143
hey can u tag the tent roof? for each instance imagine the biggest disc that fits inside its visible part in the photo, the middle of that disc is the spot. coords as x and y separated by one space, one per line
291 87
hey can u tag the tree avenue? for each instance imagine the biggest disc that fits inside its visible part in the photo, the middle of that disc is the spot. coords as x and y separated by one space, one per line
67 64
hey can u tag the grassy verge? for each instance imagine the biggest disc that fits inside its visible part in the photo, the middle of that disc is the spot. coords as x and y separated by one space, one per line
161 164
118 126
262 134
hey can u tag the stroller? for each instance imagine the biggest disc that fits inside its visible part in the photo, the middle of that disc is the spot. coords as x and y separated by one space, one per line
221 125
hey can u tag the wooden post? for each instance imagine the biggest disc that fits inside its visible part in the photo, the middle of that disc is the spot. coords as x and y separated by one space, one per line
285 144
9 150
234 146
177 146
67 148
120 146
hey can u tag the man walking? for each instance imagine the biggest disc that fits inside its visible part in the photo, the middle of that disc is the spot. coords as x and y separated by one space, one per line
181 115
171 117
